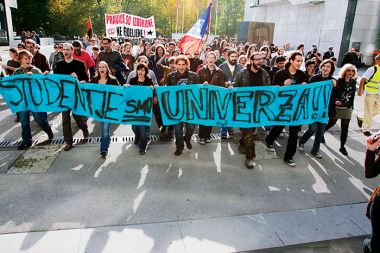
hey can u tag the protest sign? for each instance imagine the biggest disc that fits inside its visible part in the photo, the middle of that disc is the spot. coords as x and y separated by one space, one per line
129 26
198 104
245 107
56 93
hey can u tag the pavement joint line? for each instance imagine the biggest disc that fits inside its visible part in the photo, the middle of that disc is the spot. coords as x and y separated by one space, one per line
127 139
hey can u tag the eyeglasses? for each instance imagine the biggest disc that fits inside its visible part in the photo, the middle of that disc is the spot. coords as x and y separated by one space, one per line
60 47
77 50
257 59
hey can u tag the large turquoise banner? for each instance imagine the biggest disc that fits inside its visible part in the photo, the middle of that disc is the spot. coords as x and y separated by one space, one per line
247 106
56 93
197 104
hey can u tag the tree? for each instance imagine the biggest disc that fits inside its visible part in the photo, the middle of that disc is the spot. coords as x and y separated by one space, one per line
69 17
31 16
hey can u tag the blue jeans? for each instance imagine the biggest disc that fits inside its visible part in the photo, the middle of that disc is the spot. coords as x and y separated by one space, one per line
105 142
318 129
40 118
223 130
141 134
178 132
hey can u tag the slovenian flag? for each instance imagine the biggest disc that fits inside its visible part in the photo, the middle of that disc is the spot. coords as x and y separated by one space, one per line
191 42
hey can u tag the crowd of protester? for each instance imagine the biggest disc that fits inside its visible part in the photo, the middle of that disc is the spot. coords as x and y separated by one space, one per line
223 62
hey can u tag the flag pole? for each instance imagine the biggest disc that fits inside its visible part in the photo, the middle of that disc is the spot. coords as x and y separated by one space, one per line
176 23
183 14
209 24
216 14
197 10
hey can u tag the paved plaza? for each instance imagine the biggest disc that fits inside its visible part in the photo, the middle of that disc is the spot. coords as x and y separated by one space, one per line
202 201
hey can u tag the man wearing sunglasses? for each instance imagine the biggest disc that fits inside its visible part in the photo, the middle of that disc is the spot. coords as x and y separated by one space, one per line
51 57
253 75
82 55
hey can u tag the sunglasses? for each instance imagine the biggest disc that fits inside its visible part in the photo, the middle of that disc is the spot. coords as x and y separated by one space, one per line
351 70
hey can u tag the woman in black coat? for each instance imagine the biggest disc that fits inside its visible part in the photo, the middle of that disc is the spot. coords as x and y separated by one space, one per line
141 131
344 104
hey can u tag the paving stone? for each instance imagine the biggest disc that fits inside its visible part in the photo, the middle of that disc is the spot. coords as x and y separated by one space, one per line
312 225
229 234
36 159
356 213
157 238
64 241
7 158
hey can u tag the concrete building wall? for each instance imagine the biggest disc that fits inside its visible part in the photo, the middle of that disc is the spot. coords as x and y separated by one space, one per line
318 22
8 4
366 27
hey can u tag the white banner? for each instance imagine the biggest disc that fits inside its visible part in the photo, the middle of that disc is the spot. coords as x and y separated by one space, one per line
129 26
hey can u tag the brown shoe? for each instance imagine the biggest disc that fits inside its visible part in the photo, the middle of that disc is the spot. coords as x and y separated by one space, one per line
67 147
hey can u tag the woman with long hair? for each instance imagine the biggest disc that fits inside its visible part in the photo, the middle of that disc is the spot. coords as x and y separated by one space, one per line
327 68
103 76
147 51
310 68
13 63
290 75
141 131
344 102
251 49
11 66
223 44
159 53
268 55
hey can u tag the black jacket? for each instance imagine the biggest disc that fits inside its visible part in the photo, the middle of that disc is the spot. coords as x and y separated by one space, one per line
110 81
345 92
281 75
328 55
216 78
319 78
273 71
134 81
174 78
227 72
243 77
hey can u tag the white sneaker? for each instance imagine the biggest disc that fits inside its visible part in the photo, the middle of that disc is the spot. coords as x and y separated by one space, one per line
317 155
291 163
301 147
249 163
202 141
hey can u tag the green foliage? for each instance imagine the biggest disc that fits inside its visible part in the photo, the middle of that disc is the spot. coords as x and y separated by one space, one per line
31 16
69 17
